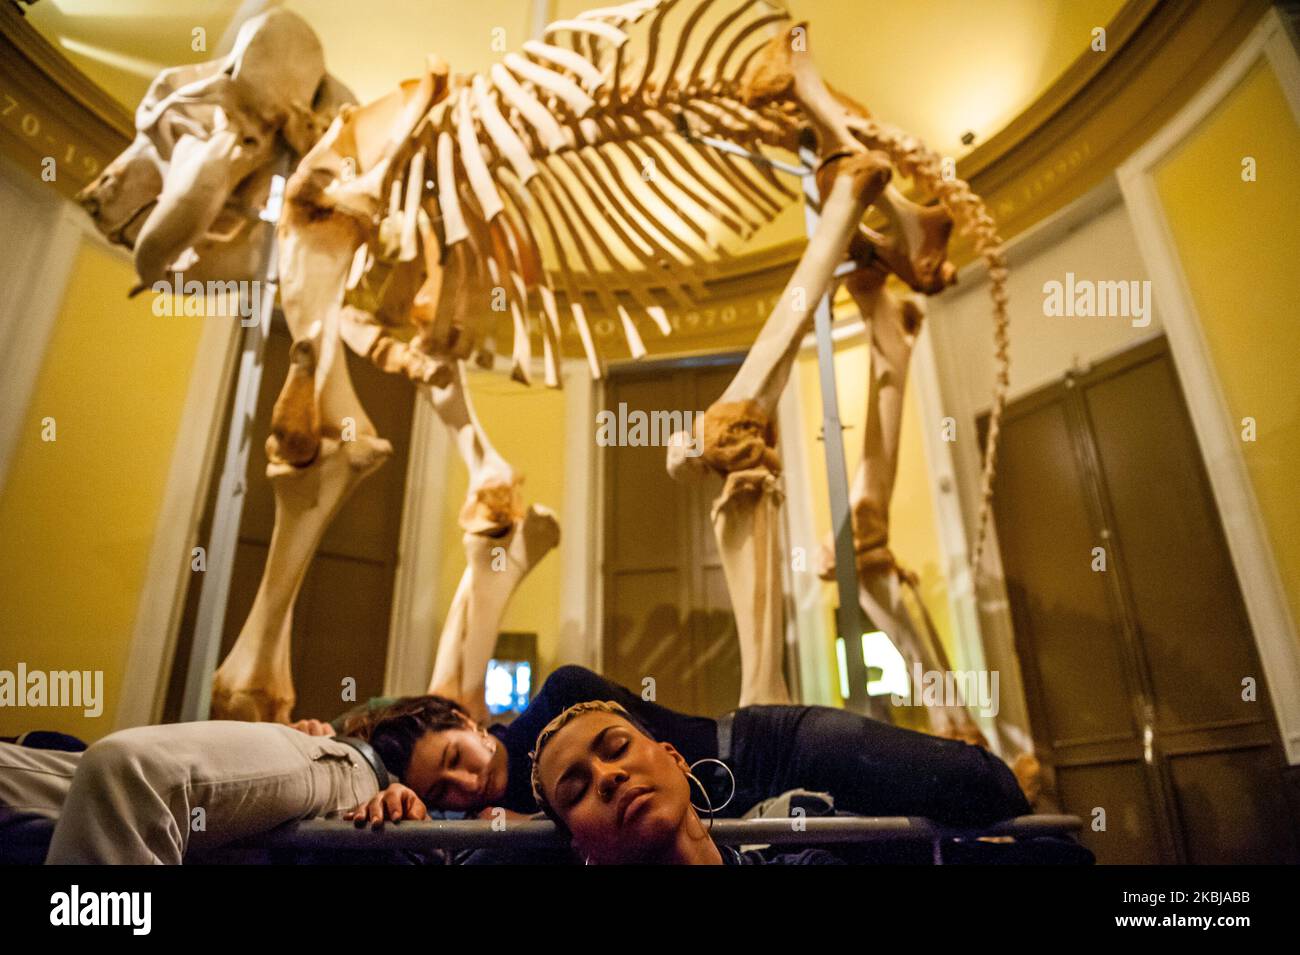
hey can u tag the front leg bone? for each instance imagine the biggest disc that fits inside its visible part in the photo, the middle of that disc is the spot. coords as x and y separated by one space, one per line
502 545
322 445
254 682
857 180
495 566
739 439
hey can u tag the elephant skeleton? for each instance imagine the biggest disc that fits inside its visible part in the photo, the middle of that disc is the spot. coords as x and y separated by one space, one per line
577 171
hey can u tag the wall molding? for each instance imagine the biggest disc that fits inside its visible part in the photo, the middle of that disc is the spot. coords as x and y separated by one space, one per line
49 108
582 515
194 463
416 619
1248 541
32 303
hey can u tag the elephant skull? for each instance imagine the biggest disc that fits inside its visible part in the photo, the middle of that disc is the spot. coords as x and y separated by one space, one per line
185 194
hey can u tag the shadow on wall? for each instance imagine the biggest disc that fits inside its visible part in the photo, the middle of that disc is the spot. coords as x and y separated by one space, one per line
694 662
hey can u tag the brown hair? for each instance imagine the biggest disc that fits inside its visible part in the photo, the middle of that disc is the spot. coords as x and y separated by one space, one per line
393 730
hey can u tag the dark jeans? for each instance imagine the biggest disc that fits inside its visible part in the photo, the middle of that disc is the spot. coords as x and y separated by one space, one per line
869 767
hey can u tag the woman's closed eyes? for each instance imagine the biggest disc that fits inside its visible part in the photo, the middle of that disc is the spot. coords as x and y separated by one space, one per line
610 745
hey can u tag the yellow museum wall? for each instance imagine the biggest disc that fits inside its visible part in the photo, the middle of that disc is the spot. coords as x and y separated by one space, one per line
914 535
1239 248
77 514
527 426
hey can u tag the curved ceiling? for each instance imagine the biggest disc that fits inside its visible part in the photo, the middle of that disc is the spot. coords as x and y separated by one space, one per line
937 68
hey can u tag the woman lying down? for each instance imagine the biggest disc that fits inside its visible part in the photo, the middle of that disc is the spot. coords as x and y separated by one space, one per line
624 797
152 794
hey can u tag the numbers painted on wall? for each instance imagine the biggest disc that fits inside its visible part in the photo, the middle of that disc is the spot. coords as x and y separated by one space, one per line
703 320
29 124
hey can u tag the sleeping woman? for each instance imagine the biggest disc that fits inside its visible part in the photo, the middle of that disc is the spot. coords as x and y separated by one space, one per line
625 797
131 797
446 761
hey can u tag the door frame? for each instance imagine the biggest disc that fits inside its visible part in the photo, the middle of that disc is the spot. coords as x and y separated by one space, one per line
1276 636
1157 776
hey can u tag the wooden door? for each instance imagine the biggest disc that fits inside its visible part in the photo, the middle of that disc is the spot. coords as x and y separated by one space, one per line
667 614
1130 624
341 618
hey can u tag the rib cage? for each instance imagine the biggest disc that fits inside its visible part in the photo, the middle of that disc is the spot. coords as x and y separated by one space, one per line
531 151
570 172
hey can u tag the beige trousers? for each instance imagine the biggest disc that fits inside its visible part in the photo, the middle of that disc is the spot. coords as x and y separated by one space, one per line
147 795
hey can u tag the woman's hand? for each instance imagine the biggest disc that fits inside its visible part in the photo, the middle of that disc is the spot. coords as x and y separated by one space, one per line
396 802
313 727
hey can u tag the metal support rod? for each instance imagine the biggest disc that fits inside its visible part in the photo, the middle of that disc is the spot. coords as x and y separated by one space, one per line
850 622
224 535
722 145
539 834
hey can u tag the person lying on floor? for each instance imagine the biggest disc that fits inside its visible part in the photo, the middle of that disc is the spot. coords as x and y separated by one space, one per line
151 794
136 795
445 761
624 797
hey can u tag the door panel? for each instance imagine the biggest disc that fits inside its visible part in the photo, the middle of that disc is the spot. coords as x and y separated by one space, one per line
667 611
1176 563
644 635
1231 807
1134 675
1121 789
717 649
1057 594
644 498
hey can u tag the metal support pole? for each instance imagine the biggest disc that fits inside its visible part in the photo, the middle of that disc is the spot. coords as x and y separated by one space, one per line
850 621
224 537
334 834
